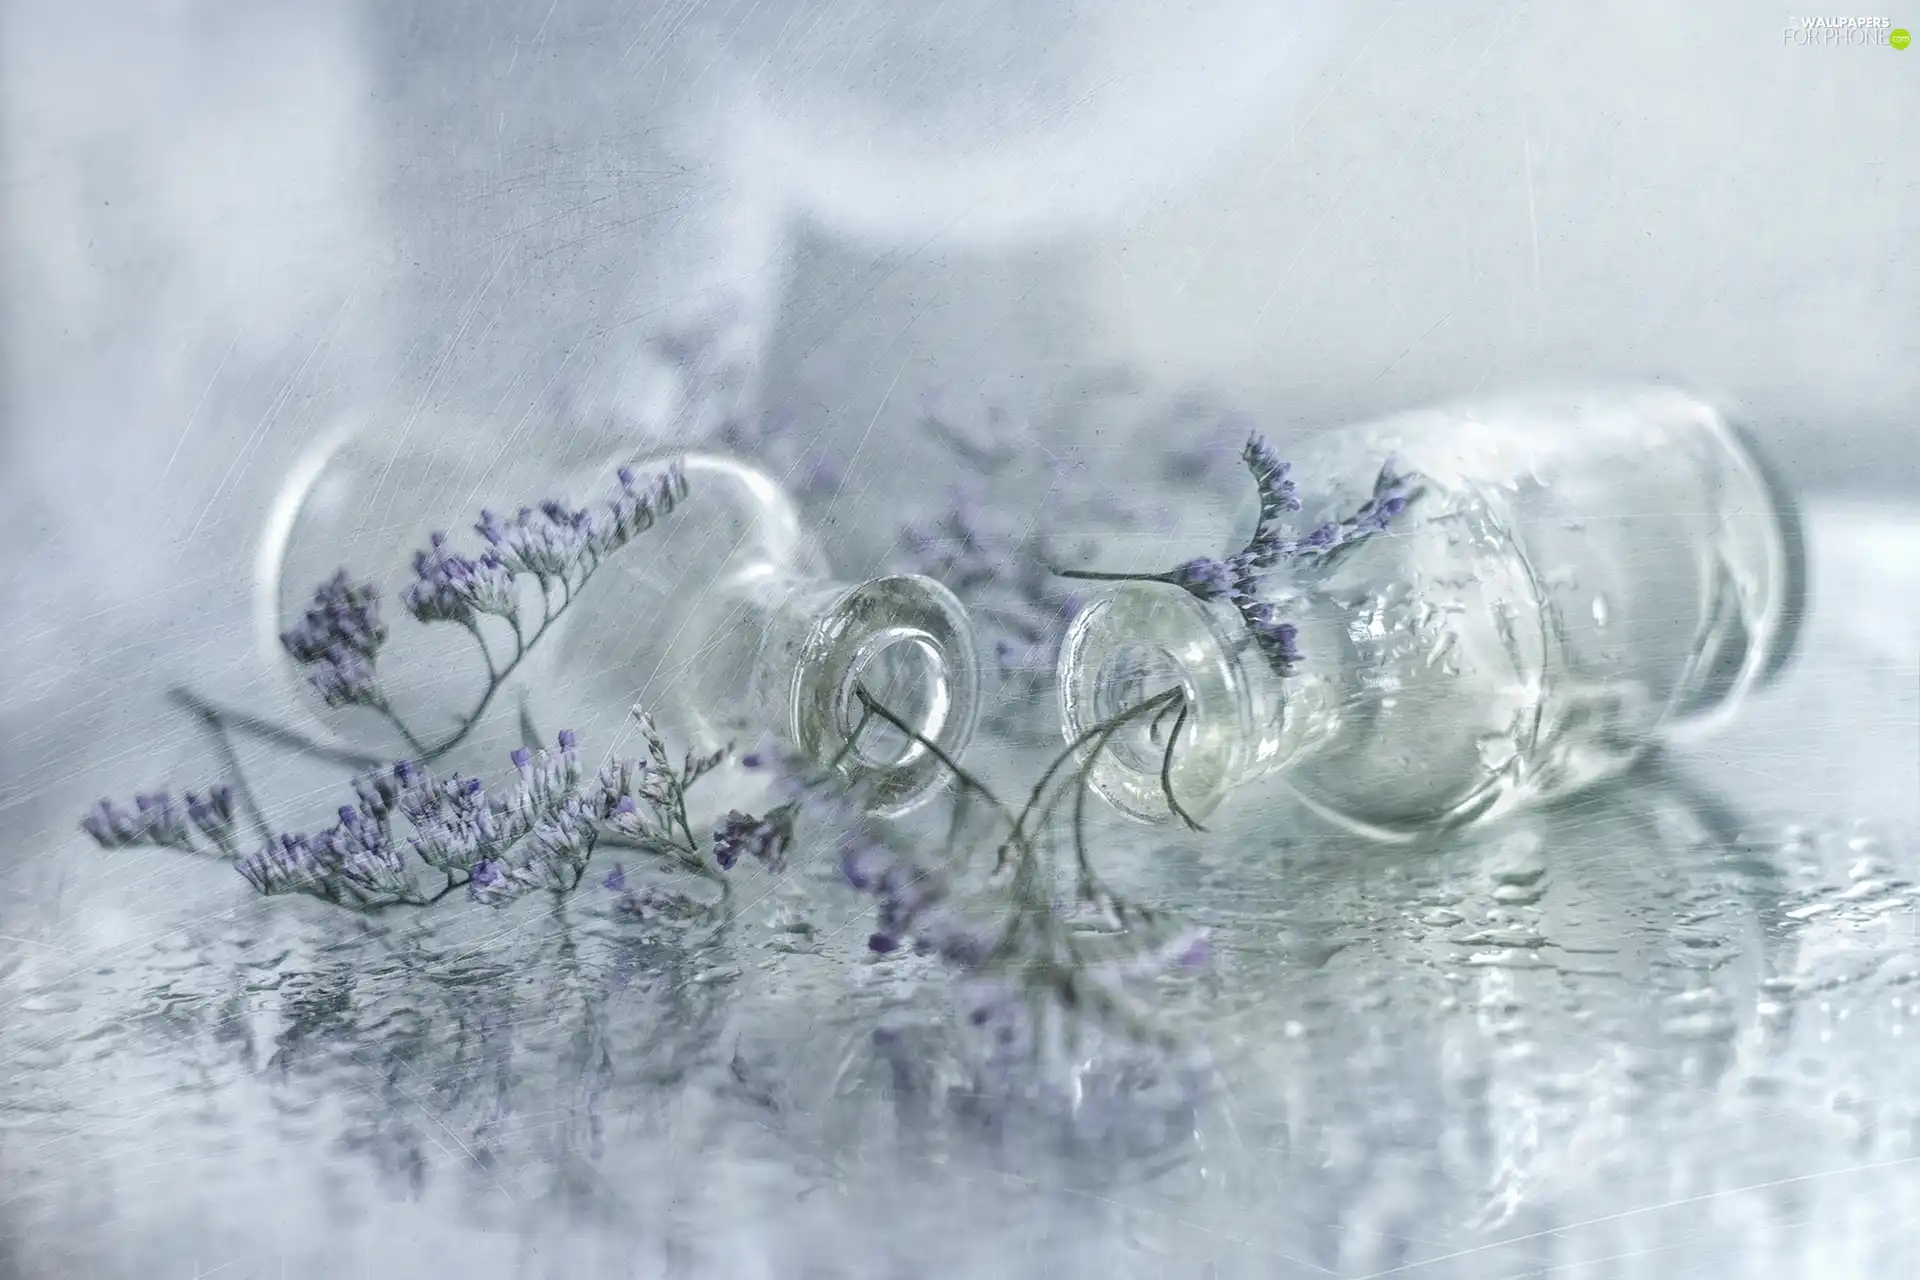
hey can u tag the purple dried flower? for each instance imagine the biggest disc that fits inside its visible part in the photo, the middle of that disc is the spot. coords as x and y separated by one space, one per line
289 863
162 821
635 508
1238 579
907 890
344 677
337 641
549 542
547 778
913 905
616 879
156 819
344 615
1195 953
763 839
380 789
112 827
553 541
361 851
1001 566
554 855
449 587
881 943
958 940
212 814
1277 639
453 825
1278 494
561 842
1206 578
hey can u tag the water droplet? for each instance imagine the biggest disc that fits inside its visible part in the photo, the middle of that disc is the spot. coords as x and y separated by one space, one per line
1517 938
1497 751
1600 611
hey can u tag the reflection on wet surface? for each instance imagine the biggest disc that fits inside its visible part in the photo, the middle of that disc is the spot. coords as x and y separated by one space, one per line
1639 1032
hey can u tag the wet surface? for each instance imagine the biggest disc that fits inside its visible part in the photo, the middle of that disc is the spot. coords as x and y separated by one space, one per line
1662 1030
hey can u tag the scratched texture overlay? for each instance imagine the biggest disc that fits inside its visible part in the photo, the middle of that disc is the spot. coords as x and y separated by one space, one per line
1670 1030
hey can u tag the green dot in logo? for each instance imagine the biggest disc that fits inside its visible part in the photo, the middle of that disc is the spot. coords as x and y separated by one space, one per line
1899 38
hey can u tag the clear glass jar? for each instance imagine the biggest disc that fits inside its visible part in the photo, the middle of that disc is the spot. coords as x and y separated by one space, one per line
721 618
1572 579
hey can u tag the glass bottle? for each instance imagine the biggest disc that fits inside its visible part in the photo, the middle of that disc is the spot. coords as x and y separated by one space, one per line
1572 579
720 618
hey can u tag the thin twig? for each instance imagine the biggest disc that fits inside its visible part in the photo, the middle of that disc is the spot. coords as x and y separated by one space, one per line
473 629
413 744
1103 731
268 731
1166 767
1091 575
846 748
939 753
210 720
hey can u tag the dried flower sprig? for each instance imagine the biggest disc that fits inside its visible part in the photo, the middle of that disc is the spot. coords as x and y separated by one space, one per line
1001 567
338 640
1033 975
539 832
1000 562
554 547
157 820
1238 579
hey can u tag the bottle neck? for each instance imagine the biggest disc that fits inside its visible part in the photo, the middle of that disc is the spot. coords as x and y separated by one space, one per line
1243 718
905 642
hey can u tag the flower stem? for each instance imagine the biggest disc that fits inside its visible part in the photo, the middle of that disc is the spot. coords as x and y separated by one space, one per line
219 717
1102 732
486 654
387 713
210 720
1166 767
868 701
1091 575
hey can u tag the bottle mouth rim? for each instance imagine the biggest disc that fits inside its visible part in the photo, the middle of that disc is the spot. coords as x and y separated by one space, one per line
270 600
906 642
1133 643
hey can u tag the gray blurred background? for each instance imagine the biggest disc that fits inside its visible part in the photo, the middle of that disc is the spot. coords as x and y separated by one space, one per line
226 227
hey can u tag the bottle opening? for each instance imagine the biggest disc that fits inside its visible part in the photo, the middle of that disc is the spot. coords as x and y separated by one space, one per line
903 671
1139 642
908 643
1134 675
